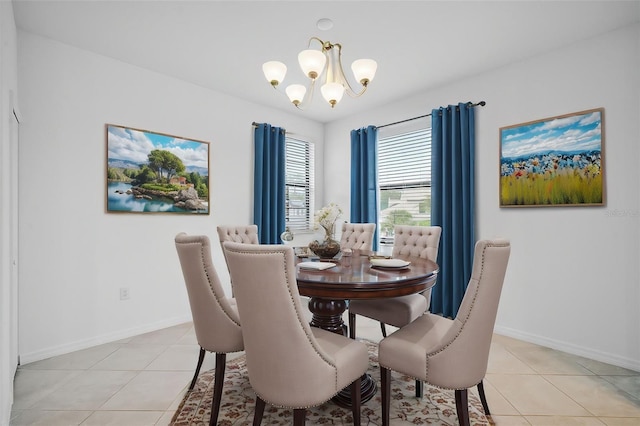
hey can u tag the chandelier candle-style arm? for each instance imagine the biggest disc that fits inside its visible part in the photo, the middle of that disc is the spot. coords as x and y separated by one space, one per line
363 70
325 64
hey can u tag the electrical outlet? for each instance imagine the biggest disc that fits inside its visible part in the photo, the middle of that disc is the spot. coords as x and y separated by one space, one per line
124 293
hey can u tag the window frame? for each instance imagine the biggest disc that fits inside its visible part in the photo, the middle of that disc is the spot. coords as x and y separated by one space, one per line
300 177
401 139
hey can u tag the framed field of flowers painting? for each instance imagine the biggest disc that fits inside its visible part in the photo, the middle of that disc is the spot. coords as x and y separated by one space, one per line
150 172
557 161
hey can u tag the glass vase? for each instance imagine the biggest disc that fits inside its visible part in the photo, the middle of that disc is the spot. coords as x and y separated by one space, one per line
328 247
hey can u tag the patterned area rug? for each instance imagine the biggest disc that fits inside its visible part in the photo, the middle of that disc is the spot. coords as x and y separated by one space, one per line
437 406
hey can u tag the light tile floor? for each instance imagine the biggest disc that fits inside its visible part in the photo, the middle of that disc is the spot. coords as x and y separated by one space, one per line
141 381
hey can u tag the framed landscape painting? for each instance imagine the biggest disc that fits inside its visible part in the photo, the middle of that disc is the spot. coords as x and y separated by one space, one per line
556 161
150 172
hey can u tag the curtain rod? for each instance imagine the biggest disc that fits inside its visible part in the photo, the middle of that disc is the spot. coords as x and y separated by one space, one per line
255 125
481 103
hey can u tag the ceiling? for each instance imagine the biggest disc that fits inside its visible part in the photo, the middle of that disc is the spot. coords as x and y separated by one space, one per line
418 45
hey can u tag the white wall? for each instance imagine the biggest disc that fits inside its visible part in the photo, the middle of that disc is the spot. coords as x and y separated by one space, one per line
74 256
8 148
573 277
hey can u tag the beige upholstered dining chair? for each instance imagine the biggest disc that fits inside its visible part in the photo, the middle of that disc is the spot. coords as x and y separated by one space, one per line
357 236
215 317
247 234
290 363
451 354
410 241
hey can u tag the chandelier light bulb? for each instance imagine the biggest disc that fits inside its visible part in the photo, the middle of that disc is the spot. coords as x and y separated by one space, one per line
296 93
332 93
364 70
274 72
312 62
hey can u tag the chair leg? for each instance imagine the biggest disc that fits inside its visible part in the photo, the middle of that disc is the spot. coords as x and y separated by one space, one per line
299 416
356 400
195 376
384 329
259 411
385 384
221 359
462 407
419 389
483 399
352 326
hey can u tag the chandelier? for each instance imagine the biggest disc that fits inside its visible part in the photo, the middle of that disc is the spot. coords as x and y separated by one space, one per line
325 64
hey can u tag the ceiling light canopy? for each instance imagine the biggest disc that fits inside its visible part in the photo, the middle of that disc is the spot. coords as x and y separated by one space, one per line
324 64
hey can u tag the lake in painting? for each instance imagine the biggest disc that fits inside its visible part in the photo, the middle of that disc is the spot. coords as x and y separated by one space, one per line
119 200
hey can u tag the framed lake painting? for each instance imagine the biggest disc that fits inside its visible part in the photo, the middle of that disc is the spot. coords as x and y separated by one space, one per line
150 172
556 161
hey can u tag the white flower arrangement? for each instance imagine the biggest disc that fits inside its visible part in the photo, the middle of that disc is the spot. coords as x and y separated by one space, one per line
326 218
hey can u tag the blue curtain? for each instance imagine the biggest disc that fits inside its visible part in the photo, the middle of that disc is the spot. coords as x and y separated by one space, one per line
453 202
268 183
364 177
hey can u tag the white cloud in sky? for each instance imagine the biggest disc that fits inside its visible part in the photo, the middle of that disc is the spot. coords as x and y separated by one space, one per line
134 145
191 157
591 118
562 134
559 123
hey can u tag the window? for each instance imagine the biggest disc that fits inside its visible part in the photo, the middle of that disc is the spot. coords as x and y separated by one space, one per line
404 181
299 178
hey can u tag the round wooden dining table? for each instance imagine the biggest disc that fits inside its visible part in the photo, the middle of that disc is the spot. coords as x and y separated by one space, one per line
354 277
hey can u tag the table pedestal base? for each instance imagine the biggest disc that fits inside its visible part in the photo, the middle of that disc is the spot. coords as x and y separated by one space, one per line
327 314
368 389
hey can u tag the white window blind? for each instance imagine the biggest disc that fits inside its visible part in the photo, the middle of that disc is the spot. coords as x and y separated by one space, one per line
404 161
404 179
299 188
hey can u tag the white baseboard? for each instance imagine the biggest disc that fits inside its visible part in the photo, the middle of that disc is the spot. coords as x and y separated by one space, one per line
26 358
589 353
